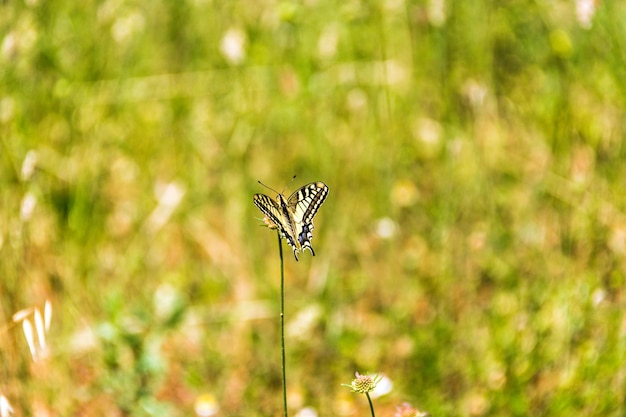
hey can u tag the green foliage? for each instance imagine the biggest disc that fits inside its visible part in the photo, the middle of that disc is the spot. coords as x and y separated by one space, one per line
472 247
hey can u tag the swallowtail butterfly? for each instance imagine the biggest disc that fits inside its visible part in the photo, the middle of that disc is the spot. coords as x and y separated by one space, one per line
294 216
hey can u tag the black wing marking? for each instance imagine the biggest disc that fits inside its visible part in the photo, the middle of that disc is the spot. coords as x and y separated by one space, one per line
307 200
305 236
272 210
269 208
305 203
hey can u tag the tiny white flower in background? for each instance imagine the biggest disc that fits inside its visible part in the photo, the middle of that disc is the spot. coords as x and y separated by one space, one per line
30 338
47 314
392 72
5 407
406 410
41 330
383 387
428 131
328 41
169 197
42 324
617 240
21 39
304 322
84 340
170 194
125 26
27 207
436 11
475 92
307 412
233 46
585 9
385 228
9 45
206 405
22 314
29 164
598 296
166 300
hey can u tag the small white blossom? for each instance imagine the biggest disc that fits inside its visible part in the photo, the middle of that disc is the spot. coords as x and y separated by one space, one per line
233 46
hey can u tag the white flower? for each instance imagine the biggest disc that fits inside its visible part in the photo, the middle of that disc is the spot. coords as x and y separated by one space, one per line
233 46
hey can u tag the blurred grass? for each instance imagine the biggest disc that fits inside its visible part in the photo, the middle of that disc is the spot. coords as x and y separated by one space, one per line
471 248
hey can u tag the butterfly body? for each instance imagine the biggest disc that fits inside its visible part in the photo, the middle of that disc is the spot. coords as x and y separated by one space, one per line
293 216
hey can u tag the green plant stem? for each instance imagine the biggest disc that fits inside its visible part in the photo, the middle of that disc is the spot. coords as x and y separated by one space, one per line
282 320
371 405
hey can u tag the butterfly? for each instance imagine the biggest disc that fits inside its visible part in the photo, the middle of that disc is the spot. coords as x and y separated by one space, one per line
293 216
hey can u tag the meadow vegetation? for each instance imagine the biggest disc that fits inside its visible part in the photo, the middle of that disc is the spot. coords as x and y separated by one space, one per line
472 247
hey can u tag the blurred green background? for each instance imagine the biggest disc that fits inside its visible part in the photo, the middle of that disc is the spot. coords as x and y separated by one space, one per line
472 247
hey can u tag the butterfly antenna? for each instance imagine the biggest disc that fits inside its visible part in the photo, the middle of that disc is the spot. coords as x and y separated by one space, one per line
269 188
292 178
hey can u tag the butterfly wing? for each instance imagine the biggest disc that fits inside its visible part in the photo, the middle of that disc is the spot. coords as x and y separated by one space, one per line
269 208
304 203
273 211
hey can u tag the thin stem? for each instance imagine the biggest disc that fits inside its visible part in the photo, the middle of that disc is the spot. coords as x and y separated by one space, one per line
371 405
282 320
